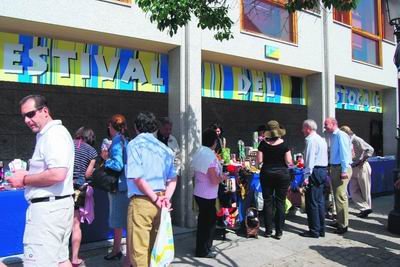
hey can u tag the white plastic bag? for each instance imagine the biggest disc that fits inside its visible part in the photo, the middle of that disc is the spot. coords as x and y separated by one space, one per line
163 251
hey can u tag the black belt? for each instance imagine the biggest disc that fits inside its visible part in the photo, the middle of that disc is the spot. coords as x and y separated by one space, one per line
334 165
47 199
319 167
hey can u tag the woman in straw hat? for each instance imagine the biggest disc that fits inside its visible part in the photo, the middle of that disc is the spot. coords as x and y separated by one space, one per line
275 157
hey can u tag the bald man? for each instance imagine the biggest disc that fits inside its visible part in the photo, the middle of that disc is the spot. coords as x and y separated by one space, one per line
340 160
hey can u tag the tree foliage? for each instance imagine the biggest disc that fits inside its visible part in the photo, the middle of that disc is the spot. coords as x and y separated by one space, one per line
171 15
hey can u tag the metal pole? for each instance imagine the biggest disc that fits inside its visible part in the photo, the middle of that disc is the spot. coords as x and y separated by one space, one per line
394 215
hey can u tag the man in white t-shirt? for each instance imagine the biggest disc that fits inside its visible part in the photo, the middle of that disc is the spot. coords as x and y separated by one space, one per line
48 187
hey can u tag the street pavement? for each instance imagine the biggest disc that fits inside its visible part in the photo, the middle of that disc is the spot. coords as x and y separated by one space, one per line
367 243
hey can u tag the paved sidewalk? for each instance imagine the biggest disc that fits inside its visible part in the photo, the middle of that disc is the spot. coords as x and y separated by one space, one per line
367 243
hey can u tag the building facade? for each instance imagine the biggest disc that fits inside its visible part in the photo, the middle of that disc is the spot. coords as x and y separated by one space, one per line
95 58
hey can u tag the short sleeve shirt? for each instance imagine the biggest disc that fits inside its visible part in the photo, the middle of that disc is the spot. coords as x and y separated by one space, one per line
203 186
151 160
84 153
273 156
54 149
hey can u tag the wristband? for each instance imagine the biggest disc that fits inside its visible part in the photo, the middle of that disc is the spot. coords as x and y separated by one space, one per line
23 181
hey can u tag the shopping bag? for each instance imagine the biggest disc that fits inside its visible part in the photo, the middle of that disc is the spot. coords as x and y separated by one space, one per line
163 250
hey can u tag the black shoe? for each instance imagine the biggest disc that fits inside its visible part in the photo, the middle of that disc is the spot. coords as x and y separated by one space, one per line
111 257
364 213
278 236
209 255
268 234
341 230
334 225
308 234
321 234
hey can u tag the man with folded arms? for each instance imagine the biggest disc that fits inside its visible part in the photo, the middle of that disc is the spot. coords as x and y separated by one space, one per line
151 179
316 162
48 187
360 186
340 172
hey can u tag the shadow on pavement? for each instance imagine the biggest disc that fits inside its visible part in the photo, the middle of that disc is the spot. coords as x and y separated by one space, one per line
358 256
185 248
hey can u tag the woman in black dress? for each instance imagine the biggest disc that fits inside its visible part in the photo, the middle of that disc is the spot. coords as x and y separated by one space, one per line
275 157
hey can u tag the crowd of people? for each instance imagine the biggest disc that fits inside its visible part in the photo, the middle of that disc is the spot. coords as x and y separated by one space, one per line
340 155
56 184
148 167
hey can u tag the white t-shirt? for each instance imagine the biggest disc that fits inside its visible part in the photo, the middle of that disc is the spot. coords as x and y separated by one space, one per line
54 149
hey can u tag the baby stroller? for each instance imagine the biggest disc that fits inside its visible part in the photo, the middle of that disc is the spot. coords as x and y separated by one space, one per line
252 223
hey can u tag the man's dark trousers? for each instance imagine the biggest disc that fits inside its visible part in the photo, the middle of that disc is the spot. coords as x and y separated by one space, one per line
315 201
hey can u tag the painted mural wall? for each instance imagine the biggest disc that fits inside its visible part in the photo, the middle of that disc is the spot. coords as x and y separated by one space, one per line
42 60
350 98
237 83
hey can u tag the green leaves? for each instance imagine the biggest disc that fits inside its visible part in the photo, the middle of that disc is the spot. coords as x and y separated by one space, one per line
343 5
170 15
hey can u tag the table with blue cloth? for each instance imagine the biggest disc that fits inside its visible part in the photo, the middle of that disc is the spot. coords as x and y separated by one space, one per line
382 174
12 221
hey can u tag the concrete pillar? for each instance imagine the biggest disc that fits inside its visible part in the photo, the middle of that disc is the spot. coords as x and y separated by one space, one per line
390 121
328 76
321 86
316 99
184 102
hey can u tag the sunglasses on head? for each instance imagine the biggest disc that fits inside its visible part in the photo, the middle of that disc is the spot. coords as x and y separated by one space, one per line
32 113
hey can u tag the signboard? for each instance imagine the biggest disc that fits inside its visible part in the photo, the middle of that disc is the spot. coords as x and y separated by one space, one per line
350 98
41 60
227 82
272 52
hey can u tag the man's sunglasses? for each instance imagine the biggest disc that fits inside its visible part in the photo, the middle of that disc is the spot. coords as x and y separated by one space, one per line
32 113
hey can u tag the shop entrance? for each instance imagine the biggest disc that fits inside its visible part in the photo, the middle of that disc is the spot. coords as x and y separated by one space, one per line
367 125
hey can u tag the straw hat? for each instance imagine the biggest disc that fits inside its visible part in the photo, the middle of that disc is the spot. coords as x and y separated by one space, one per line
274 130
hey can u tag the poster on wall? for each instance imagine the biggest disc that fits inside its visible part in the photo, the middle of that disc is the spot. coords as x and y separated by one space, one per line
350 98
42 60
236 83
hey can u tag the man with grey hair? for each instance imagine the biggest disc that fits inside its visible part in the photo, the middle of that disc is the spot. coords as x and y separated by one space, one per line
360 186
315 164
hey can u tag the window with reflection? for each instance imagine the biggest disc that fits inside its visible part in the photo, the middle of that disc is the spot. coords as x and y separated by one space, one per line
365 49
364 16
269 18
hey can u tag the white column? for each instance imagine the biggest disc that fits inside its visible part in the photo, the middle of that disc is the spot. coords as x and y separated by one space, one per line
321 86
328 74
185 112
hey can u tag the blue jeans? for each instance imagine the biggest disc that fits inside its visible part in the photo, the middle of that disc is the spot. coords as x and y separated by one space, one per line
315 201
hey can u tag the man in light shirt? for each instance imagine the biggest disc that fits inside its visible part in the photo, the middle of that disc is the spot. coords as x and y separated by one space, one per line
360 186
151 180
48 187
315 162
164 135
340 172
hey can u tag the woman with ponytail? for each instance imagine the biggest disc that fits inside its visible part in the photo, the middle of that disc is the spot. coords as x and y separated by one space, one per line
116 160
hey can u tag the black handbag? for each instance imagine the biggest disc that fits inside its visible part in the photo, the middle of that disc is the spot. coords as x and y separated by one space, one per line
104 178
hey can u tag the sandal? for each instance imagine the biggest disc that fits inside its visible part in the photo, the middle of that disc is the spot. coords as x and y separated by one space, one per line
110 257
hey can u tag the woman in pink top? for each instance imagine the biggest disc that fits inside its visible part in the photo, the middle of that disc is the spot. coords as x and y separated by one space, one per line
208 175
